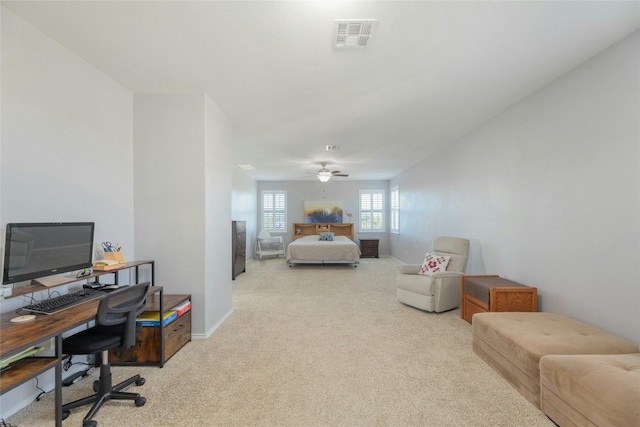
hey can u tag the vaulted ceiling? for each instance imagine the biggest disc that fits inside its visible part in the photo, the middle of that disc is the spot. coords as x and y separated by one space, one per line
432 72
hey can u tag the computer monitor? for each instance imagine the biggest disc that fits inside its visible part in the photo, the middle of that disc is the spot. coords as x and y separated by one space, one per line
36 250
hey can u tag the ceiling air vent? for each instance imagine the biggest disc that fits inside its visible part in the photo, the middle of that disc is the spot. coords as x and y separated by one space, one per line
353 32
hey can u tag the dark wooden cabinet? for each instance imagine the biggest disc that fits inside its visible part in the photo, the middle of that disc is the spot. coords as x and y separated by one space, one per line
238 247
369 248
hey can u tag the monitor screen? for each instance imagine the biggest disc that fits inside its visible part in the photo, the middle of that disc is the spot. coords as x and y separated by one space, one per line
34 250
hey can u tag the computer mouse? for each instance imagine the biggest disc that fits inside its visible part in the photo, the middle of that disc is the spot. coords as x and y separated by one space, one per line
23 318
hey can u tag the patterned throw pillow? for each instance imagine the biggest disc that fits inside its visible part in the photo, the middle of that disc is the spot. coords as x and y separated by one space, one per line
327 235
434 264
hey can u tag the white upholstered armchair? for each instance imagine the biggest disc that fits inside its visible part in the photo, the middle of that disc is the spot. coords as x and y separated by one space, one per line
267 245
439 291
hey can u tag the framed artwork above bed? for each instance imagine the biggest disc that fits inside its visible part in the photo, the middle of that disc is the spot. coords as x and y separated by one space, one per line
322 211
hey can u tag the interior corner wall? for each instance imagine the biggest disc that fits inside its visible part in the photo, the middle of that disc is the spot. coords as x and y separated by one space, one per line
244 206
218 190
548 193
174 199
66 146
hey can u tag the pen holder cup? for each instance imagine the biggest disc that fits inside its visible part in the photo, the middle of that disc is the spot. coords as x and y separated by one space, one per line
115 256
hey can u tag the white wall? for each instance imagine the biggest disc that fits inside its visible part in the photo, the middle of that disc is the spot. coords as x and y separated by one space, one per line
66 137
182 199
548 192
66 150
218 187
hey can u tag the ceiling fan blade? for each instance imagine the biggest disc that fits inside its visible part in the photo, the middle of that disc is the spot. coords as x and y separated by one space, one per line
325 174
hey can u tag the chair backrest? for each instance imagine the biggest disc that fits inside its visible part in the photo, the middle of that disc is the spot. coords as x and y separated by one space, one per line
121 307
264 234
454 247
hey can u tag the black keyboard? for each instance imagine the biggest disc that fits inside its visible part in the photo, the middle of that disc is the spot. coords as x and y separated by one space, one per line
56 304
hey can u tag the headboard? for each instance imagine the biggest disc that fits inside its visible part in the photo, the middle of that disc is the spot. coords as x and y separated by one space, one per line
301 229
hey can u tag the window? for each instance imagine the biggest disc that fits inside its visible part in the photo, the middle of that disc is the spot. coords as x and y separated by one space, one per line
274 210
371 210
395 210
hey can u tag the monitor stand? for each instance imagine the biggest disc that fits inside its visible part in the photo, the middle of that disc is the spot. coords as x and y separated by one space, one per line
52 280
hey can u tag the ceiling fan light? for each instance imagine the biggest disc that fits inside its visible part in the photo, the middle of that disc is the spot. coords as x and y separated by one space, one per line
324 176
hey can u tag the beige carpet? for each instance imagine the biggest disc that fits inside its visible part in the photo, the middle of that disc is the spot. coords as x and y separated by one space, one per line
316 346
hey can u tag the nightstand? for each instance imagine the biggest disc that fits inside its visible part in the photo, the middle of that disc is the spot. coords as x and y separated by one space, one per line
369 248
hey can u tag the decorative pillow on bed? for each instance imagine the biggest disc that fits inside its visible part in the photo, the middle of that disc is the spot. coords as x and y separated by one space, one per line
433 264
327 235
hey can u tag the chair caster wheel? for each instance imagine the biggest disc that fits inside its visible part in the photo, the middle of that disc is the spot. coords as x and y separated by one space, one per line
140 382
96 386
90 423
65 414
140 401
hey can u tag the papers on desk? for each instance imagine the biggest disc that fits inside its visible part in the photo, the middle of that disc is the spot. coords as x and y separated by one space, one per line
24 353
106 265
151 318
182 308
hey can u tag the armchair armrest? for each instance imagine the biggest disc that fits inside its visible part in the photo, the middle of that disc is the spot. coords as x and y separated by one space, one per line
414 268
447 274
446 288
274 239
409 268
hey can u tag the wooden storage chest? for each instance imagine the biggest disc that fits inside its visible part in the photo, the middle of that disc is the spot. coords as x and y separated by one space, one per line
483 293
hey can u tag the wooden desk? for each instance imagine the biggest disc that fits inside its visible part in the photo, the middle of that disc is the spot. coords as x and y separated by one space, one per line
16 337
19 336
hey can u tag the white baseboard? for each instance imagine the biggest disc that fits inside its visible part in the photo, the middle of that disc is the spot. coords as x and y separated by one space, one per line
213 328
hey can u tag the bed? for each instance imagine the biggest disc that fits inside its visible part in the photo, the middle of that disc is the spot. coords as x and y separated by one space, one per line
307 248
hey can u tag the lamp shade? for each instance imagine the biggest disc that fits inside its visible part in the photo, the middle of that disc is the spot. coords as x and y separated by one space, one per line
324 176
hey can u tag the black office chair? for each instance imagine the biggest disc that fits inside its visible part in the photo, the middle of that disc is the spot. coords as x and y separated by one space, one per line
115 329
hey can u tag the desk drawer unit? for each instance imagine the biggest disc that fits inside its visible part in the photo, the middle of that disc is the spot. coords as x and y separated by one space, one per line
369 248
175 335
146 351
483 293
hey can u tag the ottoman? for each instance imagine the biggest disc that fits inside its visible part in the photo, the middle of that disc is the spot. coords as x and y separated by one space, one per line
513 343
591 390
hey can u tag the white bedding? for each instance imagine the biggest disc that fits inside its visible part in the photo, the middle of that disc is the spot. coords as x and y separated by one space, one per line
310 249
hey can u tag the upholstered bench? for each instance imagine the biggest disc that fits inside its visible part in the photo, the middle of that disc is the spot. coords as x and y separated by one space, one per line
513 343
591 390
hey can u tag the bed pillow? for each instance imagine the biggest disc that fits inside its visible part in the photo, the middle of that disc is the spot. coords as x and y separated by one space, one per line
433 264
327 235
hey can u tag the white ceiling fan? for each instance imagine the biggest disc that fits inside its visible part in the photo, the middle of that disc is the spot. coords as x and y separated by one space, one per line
325 174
